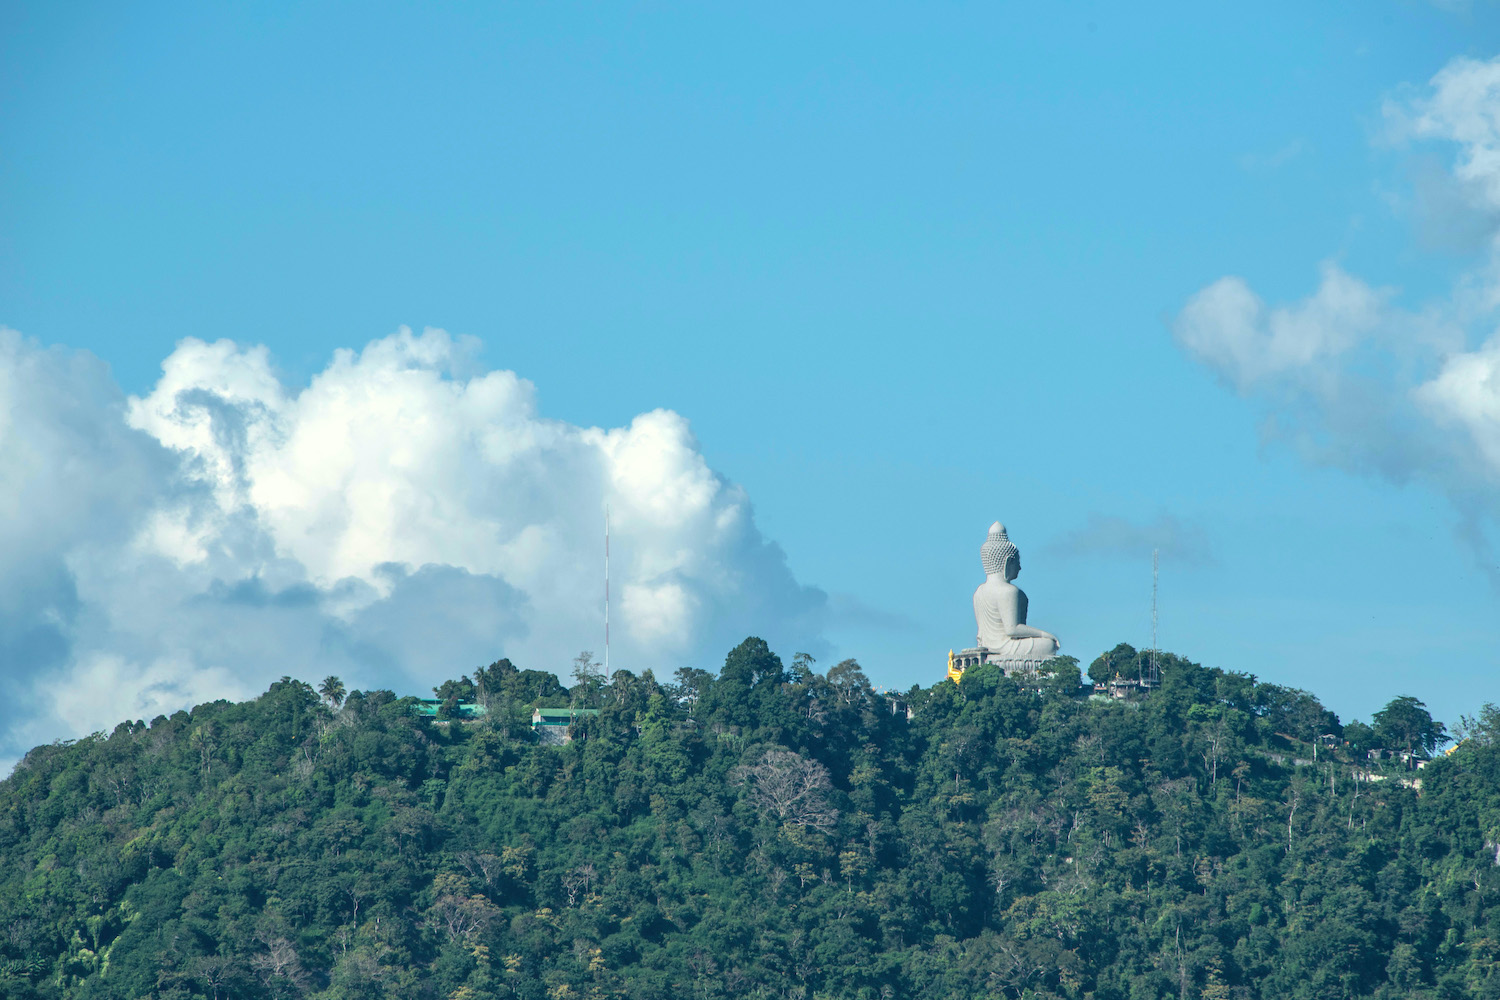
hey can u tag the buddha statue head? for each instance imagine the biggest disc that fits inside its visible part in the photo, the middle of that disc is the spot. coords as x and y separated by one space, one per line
999 556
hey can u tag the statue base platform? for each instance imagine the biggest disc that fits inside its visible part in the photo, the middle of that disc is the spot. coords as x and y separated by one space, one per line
1011 666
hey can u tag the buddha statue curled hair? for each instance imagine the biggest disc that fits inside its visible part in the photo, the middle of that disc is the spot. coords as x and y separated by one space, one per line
997 550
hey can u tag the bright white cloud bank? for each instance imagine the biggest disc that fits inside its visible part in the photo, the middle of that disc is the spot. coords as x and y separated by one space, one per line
396 522
1358 382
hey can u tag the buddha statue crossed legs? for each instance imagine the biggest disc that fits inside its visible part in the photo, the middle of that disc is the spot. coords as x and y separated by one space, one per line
1000 611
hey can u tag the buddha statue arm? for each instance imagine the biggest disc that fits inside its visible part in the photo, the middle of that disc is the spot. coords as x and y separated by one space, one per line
1027 632
1015 611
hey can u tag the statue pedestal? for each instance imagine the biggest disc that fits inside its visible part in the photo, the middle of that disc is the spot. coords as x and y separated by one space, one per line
1011 666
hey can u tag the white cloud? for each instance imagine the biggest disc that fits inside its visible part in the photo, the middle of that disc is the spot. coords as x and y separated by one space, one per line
1457 202
103 689
1357 382
1176 539
399 520
1274 160
1462 106
1466 393
1228 327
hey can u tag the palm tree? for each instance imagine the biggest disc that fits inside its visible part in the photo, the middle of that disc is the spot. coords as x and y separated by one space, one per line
332 690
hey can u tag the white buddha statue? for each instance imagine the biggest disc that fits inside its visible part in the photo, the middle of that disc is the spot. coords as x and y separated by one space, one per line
1000 610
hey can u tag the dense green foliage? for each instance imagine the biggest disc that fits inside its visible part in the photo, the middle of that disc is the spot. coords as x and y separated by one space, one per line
766 832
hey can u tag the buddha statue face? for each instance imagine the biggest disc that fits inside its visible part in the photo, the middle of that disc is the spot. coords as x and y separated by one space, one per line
998 554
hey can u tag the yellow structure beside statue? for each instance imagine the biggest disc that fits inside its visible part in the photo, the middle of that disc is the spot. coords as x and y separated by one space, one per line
955 672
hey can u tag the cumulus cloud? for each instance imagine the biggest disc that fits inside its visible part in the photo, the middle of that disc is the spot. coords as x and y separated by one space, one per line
1461 106
1466 394
1356 381
1227 326
399 520
1450 215
1458 202
1176 539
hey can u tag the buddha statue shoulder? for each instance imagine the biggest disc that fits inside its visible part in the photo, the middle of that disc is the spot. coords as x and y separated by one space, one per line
1000 606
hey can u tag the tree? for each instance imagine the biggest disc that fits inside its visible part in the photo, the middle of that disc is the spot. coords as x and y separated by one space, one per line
1060 675
690 686
461 690
1004 840
849 682
588 678
788 786
749 683
585 667
1481 730
205 740
279 968
455 913
1309 720
217 973
1405 722
1121 659
332 690
1360 737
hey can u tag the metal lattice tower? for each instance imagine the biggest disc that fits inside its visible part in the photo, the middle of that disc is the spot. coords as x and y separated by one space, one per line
1155 565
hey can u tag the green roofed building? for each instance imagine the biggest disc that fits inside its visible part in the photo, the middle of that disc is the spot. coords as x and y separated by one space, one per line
551 724
464 710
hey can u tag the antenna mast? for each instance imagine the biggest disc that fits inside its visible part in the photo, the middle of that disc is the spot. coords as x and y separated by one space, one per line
1155 562
606 590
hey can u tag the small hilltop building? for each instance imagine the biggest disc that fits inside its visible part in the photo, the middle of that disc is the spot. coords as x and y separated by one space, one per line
554 725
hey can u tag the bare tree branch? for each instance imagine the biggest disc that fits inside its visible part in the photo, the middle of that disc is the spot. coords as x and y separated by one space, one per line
791 788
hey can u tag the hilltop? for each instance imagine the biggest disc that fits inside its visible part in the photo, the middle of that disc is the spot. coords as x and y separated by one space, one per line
768 831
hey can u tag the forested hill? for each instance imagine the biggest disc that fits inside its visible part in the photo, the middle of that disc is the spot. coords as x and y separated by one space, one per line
766 832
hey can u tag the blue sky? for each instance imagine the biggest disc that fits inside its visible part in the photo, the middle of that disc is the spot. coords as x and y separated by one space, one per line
902 270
